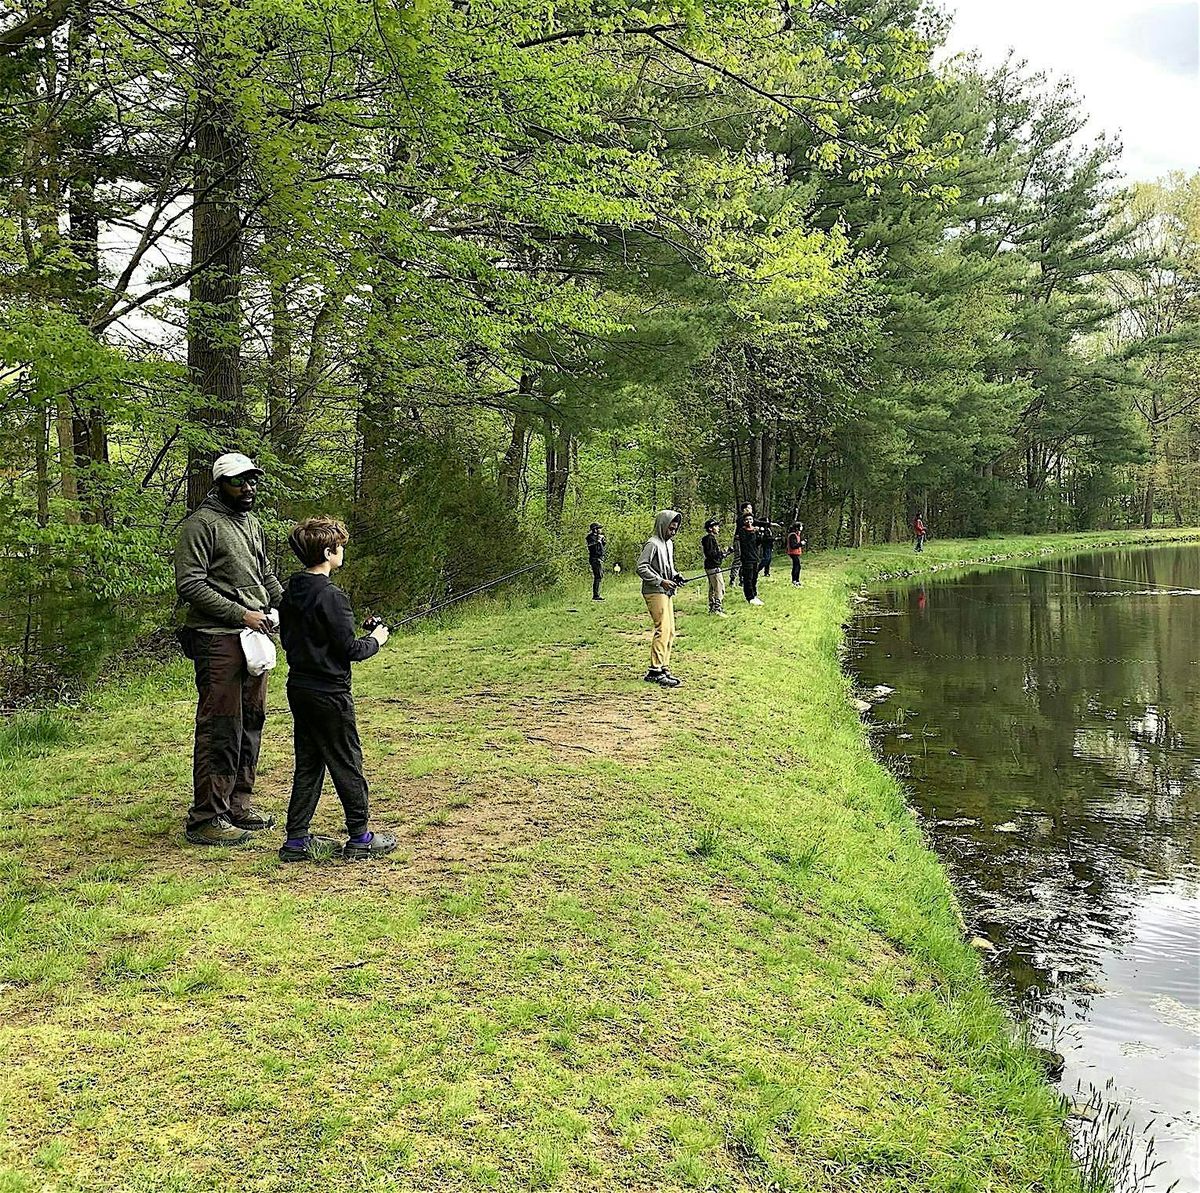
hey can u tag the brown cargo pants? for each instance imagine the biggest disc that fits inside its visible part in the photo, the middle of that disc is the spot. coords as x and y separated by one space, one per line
230 711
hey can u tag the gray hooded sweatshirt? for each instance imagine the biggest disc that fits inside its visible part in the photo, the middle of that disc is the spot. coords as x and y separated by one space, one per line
657 560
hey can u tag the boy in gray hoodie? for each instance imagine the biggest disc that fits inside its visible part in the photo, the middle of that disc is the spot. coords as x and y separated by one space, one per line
656 566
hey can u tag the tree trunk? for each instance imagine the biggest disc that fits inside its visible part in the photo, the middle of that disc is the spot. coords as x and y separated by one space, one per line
89 429
1151 476
66 460
215 312
767 467
755 470
281 423
512 466
558 473
41 462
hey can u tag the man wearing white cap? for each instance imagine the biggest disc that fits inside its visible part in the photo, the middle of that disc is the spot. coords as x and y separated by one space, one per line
223 573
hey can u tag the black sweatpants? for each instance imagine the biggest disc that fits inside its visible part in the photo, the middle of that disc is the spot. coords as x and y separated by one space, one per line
795 569
750 578
326 738
597 572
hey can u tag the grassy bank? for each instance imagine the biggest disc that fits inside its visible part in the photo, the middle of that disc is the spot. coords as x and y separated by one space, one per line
633 938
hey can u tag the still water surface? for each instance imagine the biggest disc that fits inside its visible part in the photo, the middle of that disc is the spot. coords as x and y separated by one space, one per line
1048 727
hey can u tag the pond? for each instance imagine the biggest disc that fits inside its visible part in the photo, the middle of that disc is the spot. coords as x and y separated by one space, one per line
1046 719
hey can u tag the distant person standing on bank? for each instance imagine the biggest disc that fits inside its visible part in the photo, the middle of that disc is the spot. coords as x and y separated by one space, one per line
747 537
656 567
714 557
595 546
766 546
223 574
735 572
796 542
919 533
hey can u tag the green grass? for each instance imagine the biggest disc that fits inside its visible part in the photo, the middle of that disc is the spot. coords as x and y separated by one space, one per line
31 733
632 938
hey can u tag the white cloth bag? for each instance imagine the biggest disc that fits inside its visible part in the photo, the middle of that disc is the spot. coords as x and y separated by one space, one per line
259 648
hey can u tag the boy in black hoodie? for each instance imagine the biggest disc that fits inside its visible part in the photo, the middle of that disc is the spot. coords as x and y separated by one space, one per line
317 630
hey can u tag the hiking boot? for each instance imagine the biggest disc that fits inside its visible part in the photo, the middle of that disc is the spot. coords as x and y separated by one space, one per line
675 678
662 678
217 832
376 845
313 849
252 820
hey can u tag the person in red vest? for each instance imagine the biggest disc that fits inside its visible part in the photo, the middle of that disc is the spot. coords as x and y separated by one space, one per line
919 532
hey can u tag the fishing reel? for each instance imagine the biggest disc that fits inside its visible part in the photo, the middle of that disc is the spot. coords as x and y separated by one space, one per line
373 623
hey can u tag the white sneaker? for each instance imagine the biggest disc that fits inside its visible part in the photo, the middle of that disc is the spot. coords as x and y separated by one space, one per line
756 601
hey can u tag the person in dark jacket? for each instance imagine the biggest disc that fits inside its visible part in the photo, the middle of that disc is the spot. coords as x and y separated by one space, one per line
796 542
735 572
766 546
714 557
223 574
747 537
595 546
317 629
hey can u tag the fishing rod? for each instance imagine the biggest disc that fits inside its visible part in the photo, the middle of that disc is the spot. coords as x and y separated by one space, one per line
1141 584
704 575
462 596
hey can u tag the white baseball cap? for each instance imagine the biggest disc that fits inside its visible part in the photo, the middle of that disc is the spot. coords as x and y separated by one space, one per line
234 464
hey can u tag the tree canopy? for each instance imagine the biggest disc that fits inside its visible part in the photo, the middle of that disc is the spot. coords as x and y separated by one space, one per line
476 273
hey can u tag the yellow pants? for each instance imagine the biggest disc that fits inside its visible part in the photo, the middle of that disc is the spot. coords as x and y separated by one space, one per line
662 610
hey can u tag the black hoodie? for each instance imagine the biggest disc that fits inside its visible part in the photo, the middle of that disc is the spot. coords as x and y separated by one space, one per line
316 627
749 541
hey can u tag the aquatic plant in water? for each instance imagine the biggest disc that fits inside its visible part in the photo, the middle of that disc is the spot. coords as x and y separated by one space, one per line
1113 1154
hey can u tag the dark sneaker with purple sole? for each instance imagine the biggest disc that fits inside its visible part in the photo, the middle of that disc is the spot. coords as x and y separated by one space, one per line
310 849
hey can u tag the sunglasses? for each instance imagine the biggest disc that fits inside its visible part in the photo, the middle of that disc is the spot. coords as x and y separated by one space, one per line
242 482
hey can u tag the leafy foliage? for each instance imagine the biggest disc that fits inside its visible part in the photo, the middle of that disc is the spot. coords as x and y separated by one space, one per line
452 269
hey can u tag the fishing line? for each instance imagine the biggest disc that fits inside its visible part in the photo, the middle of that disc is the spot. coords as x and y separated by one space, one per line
1145 586
470 592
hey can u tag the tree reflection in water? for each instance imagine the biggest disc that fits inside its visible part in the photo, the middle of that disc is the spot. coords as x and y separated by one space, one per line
1055 735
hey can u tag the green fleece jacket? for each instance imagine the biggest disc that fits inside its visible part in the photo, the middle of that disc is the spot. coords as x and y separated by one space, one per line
222 569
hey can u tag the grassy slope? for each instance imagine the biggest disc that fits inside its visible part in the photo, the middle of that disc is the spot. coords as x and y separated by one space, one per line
634 938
